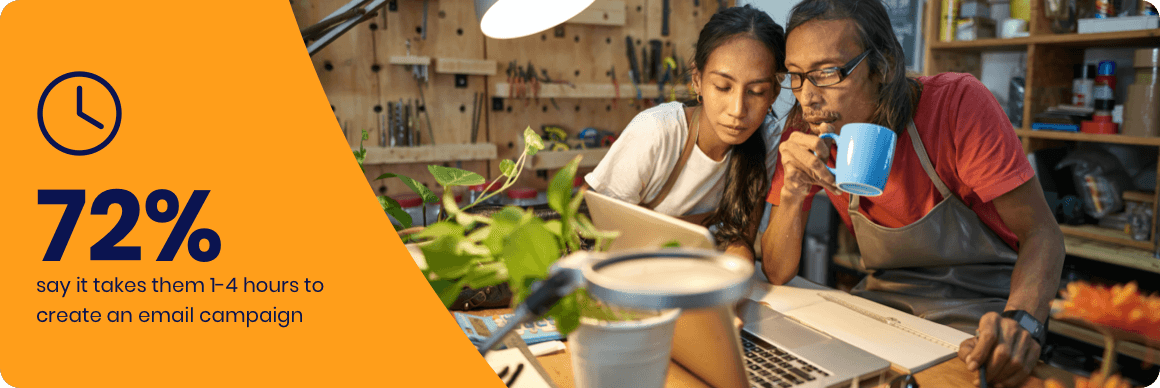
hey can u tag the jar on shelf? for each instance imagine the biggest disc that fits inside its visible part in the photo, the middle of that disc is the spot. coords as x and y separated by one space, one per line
434 209
525 197
412 204
475 192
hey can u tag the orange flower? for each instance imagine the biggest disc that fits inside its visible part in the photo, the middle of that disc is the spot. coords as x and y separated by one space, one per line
1120 306
1096 381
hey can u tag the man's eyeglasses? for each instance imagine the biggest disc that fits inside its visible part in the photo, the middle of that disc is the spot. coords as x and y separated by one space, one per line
821 77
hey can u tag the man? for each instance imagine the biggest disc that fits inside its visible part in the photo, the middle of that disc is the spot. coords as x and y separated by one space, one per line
961 234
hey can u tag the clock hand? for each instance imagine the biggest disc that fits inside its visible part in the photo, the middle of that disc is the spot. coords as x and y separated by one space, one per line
81 113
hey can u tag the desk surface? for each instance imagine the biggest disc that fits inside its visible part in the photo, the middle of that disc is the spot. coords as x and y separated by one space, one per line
950 374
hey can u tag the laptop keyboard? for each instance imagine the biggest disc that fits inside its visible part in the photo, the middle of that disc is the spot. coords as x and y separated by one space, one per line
771 367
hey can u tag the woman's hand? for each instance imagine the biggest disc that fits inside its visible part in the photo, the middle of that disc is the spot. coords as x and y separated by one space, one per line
803 158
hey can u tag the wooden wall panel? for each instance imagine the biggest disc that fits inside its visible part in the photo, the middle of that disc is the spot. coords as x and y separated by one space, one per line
584 54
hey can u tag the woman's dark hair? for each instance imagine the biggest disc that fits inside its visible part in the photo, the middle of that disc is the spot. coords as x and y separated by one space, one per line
746 180
898 96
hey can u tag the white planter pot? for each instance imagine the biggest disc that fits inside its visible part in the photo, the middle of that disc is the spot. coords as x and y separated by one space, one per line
622 354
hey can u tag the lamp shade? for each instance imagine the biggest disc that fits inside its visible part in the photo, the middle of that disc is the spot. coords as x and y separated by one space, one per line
507 19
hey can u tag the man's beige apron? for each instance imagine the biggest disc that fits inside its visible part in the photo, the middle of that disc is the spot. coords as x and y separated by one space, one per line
947 267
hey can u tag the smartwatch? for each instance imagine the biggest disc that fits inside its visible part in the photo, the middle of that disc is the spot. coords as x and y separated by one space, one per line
1028 322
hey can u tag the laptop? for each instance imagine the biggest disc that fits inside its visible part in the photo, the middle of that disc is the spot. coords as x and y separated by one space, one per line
771 350
642 228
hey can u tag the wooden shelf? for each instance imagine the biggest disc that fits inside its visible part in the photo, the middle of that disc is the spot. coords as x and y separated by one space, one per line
1139 196
602 13
1090 336
409 60
1076 136
465 66
430 153
590 91
1134 258
548 160
1110 236
1122 38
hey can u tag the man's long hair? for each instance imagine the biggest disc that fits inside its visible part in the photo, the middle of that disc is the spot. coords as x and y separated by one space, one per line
898 96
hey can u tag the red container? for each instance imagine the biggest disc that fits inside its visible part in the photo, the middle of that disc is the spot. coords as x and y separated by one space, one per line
1101 125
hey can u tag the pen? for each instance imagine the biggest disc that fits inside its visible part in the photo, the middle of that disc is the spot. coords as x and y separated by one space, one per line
982 376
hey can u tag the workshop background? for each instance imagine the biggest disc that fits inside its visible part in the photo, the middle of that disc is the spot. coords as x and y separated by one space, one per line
374 74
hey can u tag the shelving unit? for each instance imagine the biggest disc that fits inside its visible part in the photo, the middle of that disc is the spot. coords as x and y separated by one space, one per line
1092 337
627 91
1049 76
549 160
431 153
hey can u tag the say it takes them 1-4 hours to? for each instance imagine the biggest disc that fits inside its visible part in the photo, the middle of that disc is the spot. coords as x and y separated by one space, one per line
188 286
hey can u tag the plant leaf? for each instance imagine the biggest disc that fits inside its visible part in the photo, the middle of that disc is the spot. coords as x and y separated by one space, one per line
532 142
529 251
672 244
393 208
560 189
566 312
445 260
507 167
450 176
446 290
441 229
365 135
488 274
415 186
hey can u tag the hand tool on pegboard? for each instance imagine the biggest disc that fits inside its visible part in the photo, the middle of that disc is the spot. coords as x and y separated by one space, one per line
545 79
391 137
634 73
382 130
649 75
423 28
400 131
656 49
670 65
474 107
511 74
665 11
533 80
479 115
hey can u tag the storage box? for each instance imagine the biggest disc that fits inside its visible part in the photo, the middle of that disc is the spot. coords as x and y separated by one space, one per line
1123 23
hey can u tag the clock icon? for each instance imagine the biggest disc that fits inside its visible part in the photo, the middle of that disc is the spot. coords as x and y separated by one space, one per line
84 118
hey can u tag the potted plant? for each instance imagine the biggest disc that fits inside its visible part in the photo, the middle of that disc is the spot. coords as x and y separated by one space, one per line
609 346
1118 313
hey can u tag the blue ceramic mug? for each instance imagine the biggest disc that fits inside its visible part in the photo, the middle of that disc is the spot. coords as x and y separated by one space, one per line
865 152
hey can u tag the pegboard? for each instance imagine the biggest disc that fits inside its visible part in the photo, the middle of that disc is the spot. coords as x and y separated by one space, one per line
358 80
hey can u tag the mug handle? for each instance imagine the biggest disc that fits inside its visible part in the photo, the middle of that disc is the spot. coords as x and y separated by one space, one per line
834 137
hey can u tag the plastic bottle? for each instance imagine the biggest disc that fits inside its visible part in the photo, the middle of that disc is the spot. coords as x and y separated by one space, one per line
1104 87
525 197
413 205
1081 87
433 209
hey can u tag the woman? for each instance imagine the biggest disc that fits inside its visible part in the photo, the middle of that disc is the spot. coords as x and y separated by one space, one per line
701 160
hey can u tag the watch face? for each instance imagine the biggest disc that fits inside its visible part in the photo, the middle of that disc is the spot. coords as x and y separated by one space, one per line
1028 322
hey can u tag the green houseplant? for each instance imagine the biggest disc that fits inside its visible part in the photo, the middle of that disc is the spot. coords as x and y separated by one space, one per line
615 346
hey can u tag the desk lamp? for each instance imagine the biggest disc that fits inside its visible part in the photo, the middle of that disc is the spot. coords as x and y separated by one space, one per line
507 19
647 280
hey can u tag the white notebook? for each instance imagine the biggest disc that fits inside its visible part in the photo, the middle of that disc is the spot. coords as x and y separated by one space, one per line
910 343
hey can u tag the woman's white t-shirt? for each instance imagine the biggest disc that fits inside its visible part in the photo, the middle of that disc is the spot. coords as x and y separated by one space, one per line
642 158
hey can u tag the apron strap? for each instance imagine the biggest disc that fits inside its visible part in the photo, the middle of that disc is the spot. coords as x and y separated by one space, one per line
927 166
694 132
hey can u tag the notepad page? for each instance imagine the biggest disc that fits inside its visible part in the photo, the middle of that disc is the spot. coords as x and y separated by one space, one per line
905 351
784 298
942 332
